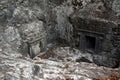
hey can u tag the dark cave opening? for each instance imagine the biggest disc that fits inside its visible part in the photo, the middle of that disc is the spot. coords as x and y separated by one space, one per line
90 43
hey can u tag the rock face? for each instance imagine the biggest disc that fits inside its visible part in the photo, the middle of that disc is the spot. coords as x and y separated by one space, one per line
33 38
14 66
97 37
31 27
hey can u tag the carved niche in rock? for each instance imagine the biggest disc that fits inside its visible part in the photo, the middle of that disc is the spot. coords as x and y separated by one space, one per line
33 38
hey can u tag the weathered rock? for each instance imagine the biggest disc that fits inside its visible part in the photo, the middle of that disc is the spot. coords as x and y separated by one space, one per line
14 66
27 26
116 7
12 37
34 35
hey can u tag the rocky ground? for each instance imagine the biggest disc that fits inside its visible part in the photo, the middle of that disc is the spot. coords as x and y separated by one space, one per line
14 66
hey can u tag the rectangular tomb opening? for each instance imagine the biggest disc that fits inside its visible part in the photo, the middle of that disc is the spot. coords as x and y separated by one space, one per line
90 43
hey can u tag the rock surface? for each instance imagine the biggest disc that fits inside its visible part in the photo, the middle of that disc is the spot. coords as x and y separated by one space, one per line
14 66
27 27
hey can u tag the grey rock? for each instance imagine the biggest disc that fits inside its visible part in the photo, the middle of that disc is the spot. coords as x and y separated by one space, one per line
116 7
27 27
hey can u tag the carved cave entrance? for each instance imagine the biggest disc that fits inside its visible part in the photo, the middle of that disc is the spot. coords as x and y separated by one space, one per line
90 43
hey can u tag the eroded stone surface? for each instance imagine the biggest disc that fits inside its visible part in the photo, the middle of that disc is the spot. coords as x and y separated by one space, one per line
16 67
26 26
